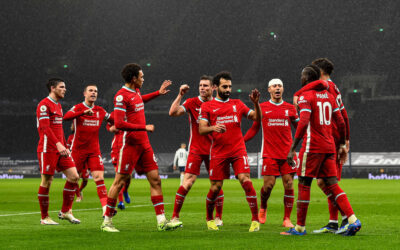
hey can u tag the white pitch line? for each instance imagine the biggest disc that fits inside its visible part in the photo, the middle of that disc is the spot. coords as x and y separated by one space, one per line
75 210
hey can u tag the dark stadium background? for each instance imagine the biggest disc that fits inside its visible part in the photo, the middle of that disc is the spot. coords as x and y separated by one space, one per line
89 42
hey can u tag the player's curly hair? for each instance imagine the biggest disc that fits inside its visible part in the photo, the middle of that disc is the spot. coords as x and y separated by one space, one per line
223 74
129 71
309 74
324 64
53 82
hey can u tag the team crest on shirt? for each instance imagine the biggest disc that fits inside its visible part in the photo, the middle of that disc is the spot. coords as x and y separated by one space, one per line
234 108
97 114
190 165
119 98
301 98
286 112
235 118
43 108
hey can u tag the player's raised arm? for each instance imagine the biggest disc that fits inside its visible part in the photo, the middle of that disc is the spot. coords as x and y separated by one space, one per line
176 109
162 91
256 114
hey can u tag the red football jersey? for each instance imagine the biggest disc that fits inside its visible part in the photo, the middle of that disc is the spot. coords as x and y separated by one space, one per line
69 141
334 90
86 135
198 144
130 102
230 113
321 105
277 133
49 117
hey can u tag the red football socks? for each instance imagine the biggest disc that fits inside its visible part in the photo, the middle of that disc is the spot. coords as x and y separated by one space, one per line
264 197
179 199
43 197
158 203
68 196
110 208
333 210
336 194
288 200
303 200
219 204
251 197
102 192
210 204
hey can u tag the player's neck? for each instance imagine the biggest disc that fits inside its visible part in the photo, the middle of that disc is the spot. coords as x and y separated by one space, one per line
221 99
54 97
276 100
89 104
325 77
130 86
206 98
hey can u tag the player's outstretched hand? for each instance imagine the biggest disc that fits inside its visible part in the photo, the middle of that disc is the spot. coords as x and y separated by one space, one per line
113 129
163 90
219 128
150 128
255 96
62 150
184 89
88 112
290 158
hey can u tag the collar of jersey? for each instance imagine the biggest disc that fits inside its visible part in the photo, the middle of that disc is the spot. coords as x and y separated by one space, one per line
219 100
51 99
277 104
202 99
87 106
129 89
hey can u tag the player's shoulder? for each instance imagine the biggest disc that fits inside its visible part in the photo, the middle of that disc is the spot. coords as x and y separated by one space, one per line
287 105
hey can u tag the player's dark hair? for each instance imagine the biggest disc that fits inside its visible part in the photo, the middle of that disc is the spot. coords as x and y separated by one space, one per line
224 74
310 73
206 77
88 85
130 71
324 64
53 82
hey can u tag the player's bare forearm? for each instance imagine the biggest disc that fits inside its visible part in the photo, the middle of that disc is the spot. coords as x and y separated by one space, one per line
176 109
255 97
205 128
292 152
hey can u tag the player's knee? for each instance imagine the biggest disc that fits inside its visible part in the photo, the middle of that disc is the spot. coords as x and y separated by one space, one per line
243 178
73 178
330 181
321 183
268 186
306 181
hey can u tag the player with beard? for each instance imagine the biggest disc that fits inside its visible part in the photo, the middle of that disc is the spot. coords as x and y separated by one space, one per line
318 154
199 146
85 148
221 118
276 142
52 153
326 68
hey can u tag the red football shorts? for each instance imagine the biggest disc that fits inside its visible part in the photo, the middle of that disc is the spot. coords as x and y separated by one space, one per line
114 158
220 167
194 162
94 162
317 165
277 167
85 173
138 157
51 161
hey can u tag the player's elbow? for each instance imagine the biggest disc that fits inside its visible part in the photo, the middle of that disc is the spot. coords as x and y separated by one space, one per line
119 124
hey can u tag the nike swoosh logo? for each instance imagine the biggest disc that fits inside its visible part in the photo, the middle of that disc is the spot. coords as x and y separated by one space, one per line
197 109
268 112
215 109
132 98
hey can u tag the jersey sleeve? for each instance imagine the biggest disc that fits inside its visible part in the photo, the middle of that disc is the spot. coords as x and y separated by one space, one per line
305 114
244 110
294 117
304 103
317 85
186 105
151 96
337 116
252 131
72 114
204 113
43 118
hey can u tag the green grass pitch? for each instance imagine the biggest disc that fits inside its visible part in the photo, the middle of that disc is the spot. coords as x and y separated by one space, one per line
376 204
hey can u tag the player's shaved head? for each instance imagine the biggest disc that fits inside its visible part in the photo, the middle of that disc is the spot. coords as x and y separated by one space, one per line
324 64
309 74
53 82
224 74
130 71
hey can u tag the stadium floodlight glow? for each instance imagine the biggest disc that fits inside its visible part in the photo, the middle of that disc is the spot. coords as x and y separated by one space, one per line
148 64
239 90
355 91
65 66
272 33
381 30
